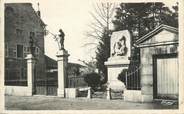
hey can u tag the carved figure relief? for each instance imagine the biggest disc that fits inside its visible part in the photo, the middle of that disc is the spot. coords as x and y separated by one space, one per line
119 47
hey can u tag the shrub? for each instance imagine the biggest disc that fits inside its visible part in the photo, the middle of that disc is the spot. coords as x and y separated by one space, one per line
93 80
121 76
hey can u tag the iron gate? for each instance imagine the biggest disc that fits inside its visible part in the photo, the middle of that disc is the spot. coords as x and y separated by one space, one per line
48 85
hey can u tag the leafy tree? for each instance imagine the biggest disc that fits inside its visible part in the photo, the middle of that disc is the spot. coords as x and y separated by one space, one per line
141 18
175 14
144 16
92 79
102 54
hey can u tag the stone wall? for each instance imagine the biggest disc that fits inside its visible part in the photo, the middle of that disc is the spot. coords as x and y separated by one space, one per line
18 90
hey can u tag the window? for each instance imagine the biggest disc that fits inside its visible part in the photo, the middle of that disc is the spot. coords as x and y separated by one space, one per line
26 51
11 52
39 34
32 34
19 51
6 50
19 32
22 19
37 51
14 53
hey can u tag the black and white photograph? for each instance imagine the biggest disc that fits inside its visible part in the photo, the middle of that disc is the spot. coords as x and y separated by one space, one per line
91 55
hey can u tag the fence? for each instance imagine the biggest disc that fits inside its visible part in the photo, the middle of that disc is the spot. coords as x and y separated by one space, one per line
47 85
132 77
15 77
50 84
76 81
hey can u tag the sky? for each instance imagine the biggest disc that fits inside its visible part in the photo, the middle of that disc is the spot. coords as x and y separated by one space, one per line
73 17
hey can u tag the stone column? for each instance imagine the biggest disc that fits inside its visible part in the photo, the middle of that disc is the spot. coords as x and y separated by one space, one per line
108 93
89 93
30 73
62 60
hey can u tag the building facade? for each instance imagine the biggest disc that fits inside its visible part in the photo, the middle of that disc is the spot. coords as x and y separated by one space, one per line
159 64
21 22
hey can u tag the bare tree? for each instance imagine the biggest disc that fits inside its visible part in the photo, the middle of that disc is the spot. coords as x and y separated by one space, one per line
102 16
100 31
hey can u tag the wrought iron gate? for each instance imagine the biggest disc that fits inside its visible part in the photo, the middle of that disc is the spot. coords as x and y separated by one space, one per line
48 85
132 77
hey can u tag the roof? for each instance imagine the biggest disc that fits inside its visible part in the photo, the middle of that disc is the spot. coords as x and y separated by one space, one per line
24 7
156 31
75 64
52 64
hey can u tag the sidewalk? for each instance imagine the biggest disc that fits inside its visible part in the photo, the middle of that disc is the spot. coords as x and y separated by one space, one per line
55 103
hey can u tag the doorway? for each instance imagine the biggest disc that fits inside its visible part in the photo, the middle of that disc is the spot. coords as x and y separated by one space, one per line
165 76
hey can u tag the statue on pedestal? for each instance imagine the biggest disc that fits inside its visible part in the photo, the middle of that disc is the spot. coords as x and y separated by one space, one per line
61 39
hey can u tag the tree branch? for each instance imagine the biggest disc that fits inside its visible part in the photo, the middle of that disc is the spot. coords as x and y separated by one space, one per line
97 20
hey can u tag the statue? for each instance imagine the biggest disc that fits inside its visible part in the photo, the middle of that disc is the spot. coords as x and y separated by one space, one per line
119 48
61 39
31 41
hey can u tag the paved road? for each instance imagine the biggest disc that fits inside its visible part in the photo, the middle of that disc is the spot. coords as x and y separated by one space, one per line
55 103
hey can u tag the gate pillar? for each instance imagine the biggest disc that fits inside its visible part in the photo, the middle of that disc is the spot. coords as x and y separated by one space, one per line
30 73
62 60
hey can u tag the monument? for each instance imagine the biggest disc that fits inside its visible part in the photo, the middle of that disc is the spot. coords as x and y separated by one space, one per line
62 60
118 60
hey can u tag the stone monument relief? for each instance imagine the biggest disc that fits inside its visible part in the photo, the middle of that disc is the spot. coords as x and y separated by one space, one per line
120 45
118 60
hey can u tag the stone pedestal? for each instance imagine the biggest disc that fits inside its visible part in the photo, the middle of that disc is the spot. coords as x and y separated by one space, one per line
118 60
108 93
115 67
30 73
89 93
62 60
70 92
